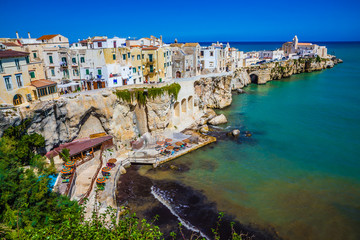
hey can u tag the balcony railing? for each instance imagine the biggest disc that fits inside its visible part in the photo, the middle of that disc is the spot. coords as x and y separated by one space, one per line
63 64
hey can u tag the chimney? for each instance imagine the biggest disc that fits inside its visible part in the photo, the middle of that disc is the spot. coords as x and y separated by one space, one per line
161 42
29 35
17 35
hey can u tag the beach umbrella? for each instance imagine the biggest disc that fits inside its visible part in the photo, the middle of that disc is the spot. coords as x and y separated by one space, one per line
160 143
186 140
179 143
69 164
112 160
106 169
66 170
168 140
101 180
170 147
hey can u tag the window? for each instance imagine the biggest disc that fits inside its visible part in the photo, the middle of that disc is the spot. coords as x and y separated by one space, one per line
167 53
19 80
164 65
7 80
42 92
87 71
99 44
82 59
134 70
51 59
140 79
134 80
202 53
73 60
99 71
150 57
114 56
52 89
17 64
26 59
132 57
151 68
34 54
1 67
52 72
128 55
32 74
60 39
66 73
124 56
138 57
77 72
64 60
168 64
142 56
164 54
211 53
139 69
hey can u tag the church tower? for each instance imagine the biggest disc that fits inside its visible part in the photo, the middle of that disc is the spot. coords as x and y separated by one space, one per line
295 42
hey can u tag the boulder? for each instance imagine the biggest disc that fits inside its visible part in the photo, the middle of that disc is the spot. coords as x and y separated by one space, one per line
235 132
204 129
122 170
240 91
221 119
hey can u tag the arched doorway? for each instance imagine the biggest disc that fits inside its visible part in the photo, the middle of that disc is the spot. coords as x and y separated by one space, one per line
183 106
178 74
17 99
177 109
190 104
254 78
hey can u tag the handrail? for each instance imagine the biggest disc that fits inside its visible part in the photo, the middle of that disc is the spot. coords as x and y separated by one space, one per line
81 201
70 182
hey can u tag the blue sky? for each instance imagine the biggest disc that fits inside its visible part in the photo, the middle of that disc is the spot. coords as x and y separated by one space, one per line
252 20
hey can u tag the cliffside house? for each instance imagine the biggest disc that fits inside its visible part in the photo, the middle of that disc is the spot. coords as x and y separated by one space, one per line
303 49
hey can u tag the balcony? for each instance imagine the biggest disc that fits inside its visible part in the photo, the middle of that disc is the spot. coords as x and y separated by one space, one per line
63 64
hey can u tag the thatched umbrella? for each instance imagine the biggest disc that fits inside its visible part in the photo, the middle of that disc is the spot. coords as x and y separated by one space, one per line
170 147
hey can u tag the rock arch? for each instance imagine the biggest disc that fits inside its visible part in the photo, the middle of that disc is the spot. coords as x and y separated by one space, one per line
254 77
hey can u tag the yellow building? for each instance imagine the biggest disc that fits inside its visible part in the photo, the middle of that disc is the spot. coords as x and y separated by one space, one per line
156 64
136 64
15 85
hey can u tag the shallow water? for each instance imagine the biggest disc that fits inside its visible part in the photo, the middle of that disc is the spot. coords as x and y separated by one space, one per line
299 172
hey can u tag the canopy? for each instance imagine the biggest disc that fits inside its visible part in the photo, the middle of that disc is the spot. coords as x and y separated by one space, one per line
170 147
160 142
69 84
69 164
101 180
66 170
179 143
112 160
106 169
168 140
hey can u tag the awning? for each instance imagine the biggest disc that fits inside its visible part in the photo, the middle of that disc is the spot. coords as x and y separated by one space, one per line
69 84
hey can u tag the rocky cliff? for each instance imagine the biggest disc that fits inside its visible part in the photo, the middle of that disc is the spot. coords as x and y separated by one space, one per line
66 119
214 92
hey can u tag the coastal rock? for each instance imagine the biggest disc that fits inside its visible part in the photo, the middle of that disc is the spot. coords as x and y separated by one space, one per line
240 79
235 132
122 170
221 119
240 91
204 129
214 92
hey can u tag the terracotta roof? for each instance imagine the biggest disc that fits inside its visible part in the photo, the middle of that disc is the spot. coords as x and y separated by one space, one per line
99 40
10 44
150 48
176 44
42 83
47 37
191 44
304 43
78 146
12 54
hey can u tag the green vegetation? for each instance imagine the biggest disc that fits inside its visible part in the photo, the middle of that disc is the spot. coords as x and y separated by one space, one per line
318 59
30 210
141 95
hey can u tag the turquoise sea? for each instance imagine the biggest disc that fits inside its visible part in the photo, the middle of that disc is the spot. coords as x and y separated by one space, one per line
299 173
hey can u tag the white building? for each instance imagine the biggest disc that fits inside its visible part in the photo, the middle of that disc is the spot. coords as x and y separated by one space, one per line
271 55
213 58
